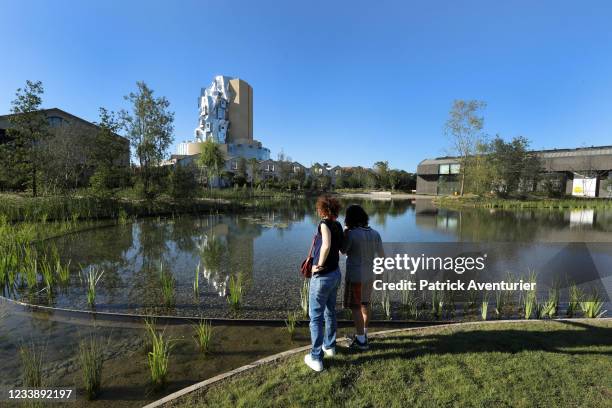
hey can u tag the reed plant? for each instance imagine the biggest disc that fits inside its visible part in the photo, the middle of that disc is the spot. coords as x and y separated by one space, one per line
530 300
291 323
166 282
46 271
92 277
410 304
385 302
196 282
304 297
472 302
234 298
484 306
203 334
31 357
575 297
122 217
592 305
500 304
437 304
551 306
91 359
158 358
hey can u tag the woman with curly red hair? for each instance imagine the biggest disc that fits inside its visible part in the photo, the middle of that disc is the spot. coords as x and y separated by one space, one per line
324 283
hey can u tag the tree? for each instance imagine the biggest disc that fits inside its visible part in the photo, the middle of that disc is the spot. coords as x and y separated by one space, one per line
240 174
211 159
382 171
253 167
149 128
464 127
27 134
513 165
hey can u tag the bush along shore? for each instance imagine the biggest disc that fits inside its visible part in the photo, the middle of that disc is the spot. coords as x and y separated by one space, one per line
523 203
19 208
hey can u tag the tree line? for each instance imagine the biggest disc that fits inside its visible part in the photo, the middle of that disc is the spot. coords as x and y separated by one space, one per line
492 165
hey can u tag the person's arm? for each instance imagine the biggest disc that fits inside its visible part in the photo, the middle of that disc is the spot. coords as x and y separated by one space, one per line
325 247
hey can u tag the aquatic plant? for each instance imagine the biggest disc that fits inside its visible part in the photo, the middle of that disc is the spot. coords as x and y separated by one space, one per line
530 300
385 302
290 323
91 359
550 307
196 281
410 304
437 304
203 333
592 305
484 306
166 281
472 301
122 217
234 297
91 280
500 300
159 357
46 271
575 296
31 357
304 296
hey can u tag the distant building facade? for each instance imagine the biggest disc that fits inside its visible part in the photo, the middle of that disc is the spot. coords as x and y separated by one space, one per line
580 172
64 124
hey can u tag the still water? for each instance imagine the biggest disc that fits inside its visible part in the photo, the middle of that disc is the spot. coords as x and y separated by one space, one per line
265 247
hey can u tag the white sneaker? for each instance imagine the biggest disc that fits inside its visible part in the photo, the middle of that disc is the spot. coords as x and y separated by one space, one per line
314 364
329 352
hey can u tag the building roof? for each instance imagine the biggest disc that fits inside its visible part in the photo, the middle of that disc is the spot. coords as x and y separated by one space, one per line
62 112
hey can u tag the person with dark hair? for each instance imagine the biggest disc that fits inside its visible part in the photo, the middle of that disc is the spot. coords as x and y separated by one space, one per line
324 283
361 245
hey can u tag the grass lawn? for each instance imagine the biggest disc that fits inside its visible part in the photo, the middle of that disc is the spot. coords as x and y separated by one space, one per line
542 364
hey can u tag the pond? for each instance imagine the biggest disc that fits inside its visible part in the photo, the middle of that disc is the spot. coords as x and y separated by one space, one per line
261 249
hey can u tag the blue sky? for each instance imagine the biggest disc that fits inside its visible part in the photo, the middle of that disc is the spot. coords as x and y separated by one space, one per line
346 83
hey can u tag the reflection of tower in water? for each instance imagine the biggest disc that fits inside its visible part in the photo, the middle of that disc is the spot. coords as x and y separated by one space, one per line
227 249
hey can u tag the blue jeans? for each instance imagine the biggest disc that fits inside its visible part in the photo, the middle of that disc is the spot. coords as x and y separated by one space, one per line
322 306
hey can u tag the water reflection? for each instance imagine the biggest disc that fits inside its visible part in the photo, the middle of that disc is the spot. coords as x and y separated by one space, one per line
264 247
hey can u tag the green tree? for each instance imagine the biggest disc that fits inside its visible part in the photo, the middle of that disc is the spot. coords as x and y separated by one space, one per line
253 165
240 175
24 152
513 165
106 153
382 173
211 160
149 128
464 127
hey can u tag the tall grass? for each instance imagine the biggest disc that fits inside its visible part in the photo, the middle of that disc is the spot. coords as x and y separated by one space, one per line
122 217
159 357
484 306
304 296
410 304
92 277
530 300
234 298
203 334
290 323
91 359
31 357
166 283
575 297
551 306
386 304
592 305
437 304
196 282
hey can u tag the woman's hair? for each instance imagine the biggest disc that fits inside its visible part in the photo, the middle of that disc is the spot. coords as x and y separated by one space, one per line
356 217
328 206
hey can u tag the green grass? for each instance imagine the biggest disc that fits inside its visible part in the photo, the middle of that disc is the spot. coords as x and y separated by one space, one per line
544 364
91 361
290 323
234 298
202 334
158 358
91 280
31 357
167 284
532 202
